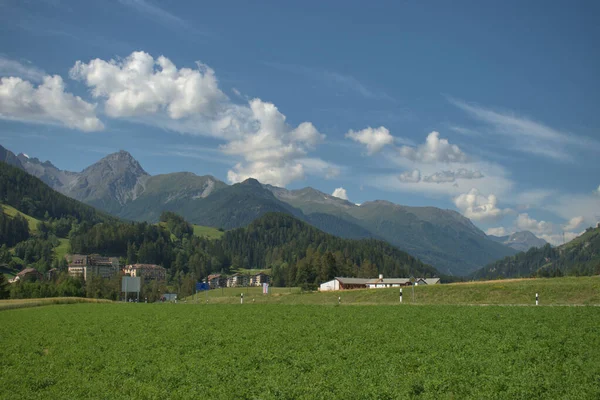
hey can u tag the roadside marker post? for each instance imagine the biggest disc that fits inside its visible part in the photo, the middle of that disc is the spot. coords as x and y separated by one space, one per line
242 298
400 295
537 299
339 300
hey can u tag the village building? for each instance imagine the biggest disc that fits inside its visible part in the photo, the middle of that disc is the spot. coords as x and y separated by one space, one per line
238 280
92 265
216 281
149 272
259 279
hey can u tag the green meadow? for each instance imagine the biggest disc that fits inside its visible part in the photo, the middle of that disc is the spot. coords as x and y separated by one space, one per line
270 351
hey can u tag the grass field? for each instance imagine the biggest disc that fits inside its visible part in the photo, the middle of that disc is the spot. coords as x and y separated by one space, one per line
299 352
552 291
207 232
32 222
26 303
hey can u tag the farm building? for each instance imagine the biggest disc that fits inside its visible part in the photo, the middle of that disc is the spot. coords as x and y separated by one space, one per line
427 281
376 283
382 282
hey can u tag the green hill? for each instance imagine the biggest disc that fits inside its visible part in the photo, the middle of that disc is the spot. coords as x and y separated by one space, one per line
581 256
12 212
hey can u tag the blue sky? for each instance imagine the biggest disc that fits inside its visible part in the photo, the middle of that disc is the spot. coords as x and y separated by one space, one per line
488 109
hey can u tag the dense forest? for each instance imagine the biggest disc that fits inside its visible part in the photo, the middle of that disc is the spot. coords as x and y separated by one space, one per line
581 256
297 253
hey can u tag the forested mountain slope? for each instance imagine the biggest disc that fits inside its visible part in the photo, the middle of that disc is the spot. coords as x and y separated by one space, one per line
581 256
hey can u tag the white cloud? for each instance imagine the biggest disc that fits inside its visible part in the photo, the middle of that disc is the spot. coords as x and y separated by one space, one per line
10 67
499 231
573 223
413 176
529 136
375 139
598 190
48 103
272 152
159 15
451 176
155 91
340 193
140 85
478 207
434 150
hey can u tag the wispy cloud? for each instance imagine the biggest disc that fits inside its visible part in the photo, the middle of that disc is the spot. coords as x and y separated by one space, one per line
160 15
342 80
529 136
10 67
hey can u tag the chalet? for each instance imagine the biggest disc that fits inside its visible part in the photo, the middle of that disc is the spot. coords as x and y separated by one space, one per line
89 265
259 279
216 281
149 272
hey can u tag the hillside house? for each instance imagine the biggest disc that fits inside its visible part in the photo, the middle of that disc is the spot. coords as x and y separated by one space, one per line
259 279
149 272
89 265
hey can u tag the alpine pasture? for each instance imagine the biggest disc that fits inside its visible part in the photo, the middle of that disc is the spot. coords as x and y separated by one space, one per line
295 351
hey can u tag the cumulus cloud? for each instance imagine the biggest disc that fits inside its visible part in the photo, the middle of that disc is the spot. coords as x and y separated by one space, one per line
374 139
573 223
525 223
479 207
190 100
499 231
434 150
413 176
340 193
140 85
47 103
451 176
598 190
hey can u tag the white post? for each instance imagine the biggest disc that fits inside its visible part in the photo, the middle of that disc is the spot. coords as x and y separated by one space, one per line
242 298
339 300
400 295
537 300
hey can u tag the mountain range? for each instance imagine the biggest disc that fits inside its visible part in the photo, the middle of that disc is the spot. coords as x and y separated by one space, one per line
120 186
520 241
